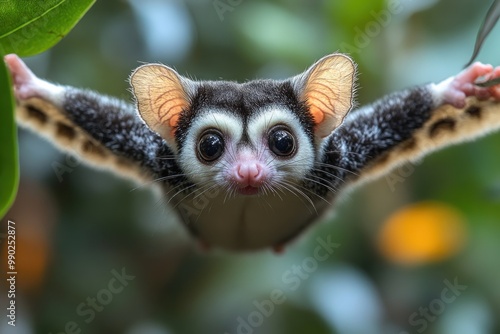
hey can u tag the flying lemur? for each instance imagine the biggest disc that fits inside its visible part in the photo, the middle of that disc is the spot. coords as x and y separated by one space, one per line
247 166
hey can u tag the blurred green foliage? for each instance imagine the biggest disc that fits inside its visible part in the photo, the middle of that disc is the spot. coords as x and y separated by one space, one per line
101 225
27 28
9 166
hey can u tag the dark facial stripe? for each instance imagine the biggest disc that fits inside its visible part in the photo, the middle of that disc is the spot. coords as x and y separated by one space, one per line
244 100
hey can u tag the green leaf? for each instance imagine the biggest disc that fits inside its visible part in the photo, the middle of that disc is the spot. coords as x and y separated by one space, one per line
30 27
488 24
9 168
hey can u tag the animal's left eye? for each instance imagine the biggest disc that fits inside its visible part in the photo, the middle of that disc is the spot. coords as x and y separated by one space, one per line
210 146
281 142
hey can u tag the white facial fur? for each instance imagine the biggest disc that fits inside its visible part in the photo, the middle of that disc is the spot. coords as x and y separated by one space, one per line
232 129
276 169
303 160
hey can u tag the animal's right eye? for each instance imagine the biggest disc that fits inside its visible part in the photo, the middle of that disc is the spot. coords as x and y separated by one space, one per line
210 146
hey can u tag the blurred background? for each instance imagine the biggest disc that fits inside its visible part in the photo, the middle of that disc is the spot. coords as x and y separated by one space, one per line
417 251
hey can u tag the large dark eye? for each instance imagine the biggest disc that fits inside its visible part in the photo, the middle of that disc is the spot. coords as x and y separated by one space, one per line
210 145
281 141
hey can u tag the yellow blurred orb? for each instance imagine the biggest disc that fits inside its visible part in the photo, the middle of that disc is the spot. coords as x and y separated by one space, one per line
422 233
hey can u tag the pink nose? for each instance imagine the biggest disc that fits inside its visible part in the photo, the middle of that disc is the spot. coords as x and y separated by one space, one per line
248 174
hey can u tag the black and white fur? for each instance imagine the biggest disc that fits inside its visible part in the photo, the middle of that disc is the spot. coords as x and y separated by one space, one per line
297 190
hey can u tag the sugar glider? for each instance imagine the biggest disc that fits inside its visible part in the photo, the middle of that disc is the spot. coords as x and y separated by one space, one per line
248 166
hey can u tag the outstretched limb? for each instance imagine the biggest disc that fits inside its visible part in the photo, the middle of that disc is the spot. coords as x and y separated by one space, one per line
404 126
104 131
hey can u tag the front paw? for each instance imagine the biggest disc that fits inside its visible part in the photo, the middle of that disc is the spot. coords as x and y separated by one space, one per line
27 85
456 89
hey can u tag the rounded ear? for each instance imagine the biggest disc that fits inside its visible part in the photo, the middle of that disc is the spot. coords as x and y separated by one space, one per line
327 88
161 95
